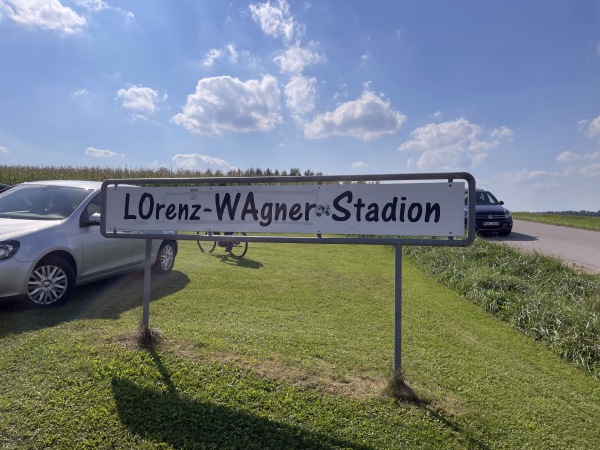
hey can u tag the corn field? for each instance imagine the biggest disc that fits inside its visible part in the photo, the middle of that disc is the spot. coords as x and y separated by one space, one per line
20 174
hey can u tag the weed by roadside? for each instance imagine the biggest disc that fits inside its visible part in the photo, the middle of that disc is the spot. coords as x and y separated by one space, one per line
537 294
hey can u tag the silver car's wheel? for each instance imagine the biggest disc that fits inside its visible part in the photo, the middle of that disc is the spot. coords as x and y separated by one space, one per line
165 258
51 282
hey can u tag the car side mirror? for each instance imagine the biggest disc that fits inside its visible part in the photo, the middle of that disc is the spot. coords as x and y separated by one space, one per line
87 221
501 202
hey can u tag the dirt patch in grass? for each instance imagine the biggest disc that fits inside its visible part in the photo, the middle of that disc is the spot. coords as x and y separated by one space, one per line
326 380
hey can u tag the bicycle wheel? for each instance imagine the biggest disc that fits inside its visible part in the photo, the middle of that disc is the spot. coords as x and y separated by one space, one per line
238 249
206 246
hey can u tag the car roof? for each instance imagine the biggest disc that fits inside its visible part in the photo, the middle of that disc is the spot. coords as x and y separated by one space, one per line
69 183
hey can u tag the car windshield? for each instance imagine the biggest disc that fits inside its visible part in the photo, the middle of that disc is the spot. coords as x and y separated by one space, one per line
39 202
483 198
486 198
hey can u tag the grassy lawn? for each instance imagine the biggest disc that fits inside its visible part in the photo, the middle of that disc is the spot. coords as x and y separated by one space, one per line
291 347
537 294
584 222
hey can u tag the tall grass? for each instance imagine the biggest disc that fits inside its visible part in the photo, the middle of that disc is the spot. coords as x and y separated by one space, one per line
537 294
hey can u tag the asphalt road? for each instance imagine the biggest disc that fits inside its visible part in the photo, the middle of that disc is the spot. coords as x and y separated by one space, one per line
580 247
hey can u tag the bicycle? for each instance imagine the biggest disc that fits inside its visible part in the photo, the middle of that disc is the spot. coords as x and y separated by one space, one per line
234 248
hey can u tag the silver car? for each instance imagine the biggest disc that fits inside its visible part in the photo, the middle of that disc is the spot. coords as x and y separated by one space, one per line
50 242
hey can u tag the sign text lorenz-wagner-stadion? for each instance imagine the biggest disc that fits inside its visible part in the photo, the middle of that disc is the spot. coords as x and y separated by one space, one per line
419 209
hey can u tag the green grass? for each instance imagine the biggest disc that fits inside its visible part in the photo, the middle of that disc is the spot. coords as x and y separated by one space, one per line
537 294
291 347
584 222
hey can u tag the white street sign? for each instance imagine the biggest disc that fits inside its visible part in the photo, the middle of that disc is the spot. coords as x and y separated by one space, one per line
415 209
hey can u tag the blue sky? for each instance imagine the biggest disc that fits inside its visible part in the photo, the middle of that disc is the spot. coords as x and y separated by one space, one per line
506 90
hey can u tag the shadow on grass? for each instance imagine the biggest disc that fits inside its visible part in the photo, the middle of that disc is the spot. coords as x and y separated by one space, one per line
239 262
184 423
170 418
106 299
399 390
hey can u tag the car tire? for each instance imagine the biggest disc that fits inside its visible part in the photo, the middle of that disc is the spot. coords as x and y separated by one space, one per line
51 283
165 259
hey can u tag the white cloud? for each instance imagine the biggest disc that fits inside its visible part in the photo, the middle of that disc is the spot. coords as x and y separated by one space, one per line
217 53
342 93
195 160
45 14
95 6
296 58
81 93
580 163
502 133
3 149
301 95
593 127
540 190
366 118
233 53
211 57
570 156
83 98
359 164
226 103
92 5
451 145
97 153
591 170
530 175
582 124
275 19
139 98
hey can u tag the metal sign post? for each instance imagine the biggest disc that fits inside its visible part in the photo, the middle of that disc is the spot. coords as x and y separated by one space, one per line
147 286
388 209
397 307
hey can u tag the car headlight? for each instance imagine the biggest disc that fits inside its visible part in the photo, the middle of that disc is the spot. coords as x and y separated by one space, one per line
507 214
8 248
